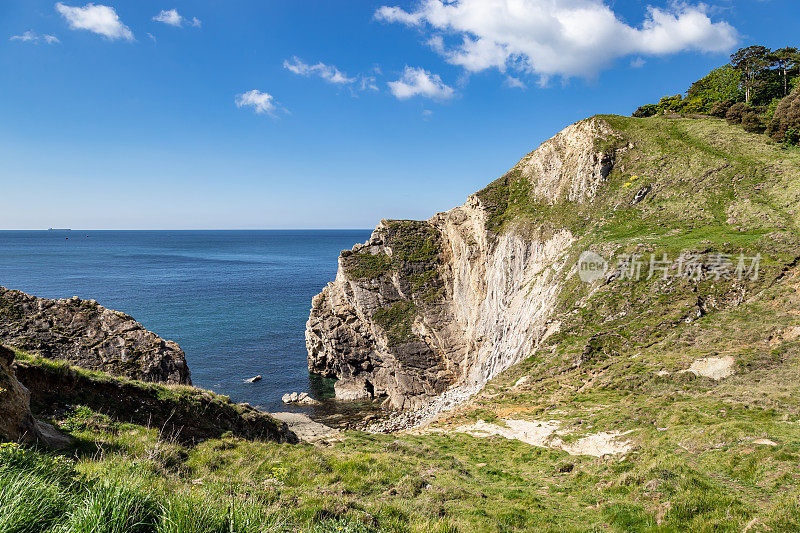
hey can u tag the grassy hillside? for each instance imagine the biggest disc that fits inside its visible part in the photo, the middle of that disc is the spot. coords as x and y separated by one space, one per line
706 455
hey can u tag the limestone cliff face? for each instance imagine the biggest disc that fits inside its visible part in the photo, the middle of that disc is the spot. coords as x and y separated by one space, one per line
450 302
90 336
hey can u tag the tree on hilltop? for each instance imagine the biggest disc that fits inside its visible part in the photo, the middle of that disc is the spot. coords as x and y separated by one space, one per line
751 62
723 83
785 59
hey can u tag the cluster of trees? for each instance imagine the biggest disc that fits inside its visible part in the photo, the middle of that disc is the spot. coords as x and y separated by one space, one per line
759 89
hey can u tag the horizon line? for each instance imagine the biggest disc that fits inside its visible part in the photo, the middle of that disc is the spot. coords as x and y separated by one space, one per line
184 229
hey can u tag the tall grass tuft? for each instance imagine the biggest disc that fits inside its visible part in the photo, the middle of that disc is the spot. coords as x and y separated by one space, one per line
109 507
29 502
194 514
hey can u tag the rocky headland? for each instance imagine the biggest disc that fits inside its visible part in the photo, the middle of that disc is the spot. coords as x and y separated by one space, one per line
425 313
88 335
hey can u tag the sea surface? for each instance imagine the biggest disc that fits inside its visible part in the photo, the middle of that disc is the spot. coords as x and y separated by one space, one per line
236 301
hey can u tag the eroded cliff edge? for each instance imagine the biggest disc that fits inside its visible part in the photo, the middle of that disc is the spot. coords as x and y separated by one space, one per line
88 335
452 301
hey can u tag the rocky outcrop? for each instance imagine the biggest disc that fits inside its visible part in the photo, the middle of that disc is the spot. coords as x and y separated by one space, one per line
90 336
186 413
423 307
17 424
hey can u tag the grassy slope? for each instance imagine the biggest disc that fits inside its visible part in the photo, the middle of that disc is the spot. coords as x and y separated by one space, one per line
695 466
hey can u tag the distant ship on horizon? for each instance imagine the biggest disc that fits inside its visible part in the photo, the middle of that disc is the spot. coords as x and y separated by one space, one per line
59 229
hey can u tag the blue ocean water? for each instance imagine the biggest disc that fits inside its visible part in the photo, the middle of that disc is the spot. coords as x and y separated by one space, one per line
236 301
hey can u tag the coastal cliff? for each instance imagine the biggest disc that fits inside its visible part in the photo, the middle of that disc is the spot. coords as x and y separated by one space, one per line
446 304
88 335
452 301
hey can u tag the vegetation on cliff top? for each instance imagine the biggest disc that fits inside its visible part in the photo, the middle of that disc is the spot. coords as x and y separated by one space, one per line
752 91
415 247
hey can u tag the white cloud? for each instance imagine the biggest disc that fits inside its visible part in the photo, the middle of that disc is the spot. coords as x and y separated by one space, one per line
102 20
515 83
261 102
638 62
331 74
170 17
173 18
556 37
328 73
31 36
420 82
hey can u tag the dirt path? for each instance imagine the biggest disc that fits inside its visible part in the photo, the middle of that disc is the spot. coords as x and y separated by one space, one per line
306 429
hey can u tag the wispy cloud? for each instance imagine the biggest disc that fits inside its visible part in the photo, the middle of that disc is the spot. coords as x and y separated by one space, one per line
262 103
553 38
31 36
102 20
330 74
173 18
638 62
419 82
514 83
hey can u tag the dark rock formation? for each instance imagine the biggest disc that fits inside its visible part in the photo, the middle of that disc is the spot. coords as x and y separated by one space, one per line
362 331
17 424
90 336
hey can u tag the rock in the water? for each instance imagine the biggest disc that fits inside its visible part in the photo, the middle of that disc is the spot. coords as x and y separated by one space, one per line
90 336
302 398
308 400
254 379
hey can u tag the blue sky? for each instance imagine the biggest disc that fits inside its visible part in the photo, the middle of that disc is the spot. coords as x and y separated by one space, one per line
127 114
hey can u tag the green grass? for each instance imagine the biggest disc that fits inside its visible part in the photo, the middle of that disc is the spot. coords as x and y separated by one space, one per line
366 266
397 321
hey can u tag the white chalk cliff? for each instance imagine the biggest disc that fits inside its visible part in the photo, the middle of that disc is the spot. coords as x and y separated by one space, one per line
424 307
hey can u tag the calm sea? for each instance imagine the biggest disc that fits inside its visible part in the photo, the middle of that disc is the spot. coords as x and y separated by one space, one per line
236 301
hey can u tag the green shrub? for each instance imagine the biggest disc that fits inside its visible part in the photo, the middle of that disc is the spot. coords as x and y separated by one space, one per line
720 109
751 122
396 321
792 136
736 112
367 266
647 110
786 119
